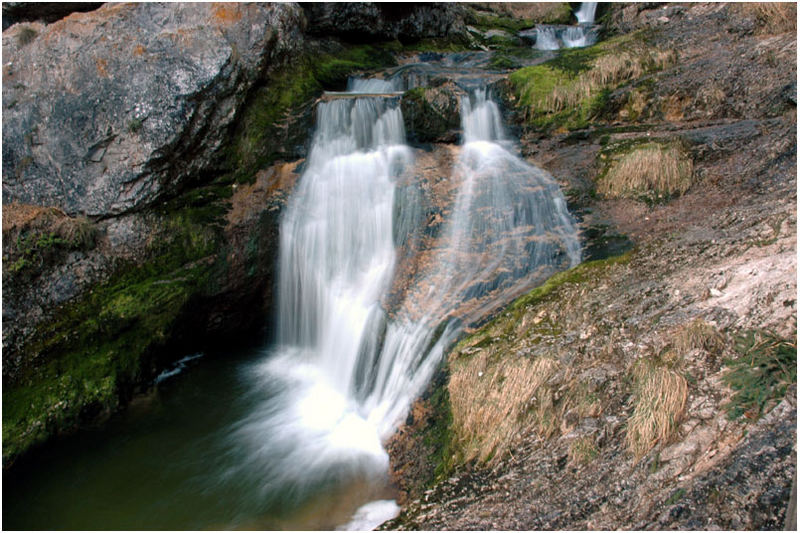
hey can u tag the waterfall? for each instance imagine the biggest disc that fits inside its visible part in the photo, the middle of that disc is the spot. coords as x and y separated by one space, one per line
585 13
546 38
348 364
555 37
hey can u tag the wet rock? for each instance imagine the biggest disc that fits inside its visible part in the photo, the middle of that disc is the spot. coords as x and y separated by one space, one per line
432 114
109 111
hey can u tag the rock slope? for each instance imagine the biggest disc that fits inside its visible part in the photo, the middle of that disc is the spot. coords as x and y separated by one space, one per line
630 392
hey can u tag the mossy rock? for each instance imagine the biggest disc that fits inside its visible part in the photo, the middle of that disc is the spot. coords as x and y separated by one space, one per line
94 350
277 116
573 89
432 114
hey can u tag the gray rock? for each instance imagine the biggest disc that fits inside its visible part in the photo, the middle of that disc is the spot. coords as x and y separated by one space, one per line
106 112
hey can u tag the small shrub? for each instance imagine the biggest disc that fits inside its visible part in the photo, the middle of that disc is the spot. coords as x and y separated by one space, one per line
659 401
698 335
760 375
652 172
26 35
135 125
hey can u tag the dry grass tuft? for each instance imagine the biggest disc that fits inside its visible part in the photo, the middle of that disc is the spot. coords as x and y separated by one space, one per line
659 401
772 17
698 335
492 400
652 171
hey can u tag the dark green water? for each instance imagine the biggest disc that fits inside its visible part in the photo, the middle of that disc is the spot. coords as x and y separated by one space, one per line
162 463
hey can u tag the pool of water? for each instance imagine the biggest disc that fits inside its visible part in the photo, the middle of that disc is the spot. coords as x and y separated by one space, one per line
169 462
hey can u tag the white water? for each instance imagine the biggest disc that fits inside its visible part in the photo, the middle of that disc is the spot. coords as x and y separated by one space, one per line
585 13
345 372
556 37
546 38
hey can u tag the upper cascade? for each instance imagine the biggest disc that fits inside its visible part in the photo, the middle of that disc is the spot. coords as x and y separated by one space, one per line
552 37
585 13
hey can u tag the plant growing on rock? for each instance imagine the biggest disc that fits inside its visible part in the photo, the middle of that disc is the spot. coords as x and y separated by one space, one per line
659 400
651 172
760 375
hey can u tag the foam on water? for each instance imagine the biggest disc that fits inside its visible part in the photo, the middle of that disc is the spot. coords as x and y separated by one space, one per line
347 370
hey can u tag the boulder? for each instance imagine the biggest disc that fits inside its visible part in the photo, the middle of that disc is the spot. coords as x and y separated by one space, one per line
109 111
432 114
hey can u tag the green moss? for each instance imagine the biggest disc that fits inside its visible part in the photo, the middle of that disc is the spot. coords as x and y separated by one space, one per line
439 436
265 130
96 348
506 322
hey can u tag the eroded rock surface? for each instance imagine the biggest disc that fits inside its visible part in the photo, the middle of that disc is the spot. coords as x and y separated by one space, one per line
109 111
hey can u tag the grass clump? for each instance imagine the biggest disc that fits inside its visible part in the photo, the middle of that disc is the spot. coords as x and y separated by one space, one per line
760 374
583 450
659 401
491 399
572 89
772 17
650 171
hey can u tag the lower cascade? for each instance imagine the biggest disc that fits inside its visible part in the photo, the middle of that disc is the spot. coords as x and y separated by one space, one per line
349 361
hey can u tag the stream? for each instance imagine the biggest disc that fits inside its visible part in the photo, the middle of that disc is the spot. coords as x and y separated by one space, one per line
292 435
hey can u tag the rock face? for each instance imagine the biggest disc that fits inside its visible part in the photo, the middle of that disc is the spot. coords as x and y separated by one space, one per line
409 21
432 114
710 268
108 111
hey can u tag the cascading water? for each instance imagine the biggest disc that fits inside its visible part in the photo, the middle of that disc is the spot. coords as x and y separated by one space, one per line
370 295
548 37
585 13
347 365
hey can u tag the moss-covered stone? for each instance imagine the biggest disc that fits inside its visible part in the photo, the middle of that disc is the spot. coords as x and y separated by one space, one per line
432 114
573 89
89 357
277 116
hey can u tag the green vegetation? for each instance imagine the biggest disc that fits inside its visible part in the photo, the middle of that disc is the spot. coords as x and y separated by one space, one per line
26 35
96 348
135 125
572 89
760 374
272 117
36 248
546 13
583 450
438 435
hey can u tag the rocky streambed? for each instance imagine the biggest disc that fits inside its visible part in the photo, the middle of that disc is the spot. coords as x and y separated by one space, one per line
148 229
